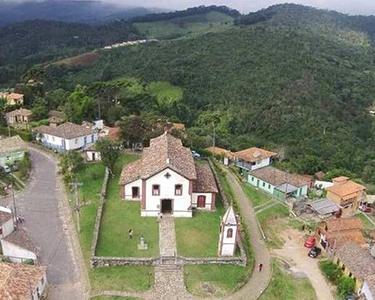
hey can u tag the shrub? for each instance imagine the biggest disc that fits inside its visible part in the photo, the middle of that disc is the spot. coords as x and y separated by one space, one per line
25 165
345 286
331 271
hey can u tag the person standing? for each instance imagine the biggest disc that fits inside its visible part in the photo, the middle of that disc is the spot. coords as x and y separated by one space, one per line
260 267
130 233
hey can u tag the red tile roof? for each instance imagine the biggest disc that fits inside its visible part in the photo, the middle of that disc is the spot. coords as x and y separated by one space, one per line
205 182
165 151
20 238
253 154
16 280
67 130
346 188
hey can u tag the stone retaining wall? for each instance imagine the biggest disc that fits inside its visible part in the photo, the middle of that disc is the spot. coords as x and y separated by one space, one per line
100 261
239 261
99 217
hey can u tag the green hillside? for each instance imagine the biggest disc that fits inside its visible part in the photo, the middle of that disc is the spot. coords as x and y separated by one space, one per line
182 26
285 80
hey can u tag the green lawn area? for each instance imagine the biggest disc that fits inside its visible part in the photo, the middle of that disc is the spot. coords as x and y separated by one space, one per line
367 225
286 287
198 236
268 220
129 278
123 278
119 216
223 277
256 197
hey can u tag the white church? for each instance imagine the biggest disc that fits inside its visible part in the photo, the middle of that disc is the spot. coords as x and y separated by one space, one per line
166 180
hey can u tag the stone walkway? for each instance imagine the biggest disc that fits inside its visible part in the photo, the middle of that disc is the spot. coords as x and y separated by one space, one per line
258 281
167 237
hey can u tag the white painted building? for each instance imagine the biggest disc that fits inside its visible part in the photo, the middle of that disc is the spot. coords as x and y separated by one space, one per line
368 288
228 234
6 222
67 136
18 247
23 281
166 180
253 158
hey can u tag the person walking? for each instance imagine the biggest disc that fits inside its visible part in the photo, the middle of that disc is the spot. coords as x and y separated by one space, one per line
130 233
260 267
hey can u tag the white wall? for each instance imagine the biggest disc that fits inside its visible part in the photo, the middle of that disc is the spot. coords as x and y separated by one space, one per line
262 163
181 204
228 244
89 156
194 200
10 249
8 228
128 190
77 143
254 181
366 291
41 286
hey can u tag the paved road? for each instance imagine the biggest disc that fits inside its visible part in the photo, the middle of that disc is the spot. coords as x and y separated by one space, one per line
48 222
258 281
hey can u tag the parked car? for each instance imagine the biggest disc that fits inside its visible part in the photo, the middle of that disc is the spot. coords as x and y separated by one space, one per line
366 208
314 252
349 297
195 154
6 169
310 242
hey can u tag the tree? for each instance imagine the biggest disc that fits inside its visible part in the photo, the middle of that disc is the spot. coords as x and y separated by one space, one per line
133 129
39 109
345 286
109 151
78 106
69 164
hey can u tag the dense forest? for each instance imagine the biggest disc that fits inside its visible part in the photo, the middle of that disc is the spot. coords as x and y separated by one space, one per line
285 80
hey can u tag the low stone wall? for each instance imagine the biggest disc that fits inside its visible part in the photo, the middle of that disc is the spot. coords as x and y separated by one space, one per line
238 261
100 261
99 217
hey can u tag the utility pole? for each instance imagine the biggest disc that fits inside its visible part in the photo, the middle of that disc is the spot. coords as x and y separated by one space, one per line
14 204
77 207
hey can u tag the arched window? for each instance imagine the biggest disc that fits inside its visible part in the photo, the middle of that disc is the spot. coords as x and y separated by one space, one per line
229 233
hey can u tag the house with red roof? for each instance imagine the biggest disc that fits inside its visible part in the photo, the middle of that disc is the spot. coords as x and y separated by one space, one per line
166 180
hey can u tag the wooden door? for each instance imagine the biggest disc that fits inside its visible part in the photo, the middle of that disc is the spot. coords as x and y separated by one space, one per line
201 201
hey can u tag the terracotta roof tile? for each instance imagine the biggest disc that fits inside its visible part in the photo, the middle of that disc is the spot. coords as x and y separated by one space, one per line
114 132
165 151
67 130
19 112
219 151
346 188
12 96
344 224
277 177
205 182
20 238
131 172
358 259
16 280
253 154
14 143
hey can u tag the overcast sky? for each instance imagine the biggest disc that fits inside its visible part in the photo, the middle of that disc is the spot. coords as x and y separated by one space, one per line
347 6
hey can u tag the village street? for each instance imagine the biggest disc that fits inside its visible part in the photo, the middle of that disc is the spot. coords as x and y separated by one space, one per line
48 222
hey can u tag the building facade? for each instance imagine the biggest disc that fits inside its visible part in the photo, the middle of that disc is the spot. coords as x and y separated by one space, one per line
228 234
11 150
253 158
19 118
65 137
166 180
12 99
6 222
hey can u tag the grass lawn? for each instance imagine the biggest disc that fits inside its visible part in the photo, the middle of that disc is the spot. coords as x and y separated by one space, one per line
269 221
199 236
129 278
123 278
119 216
256 197
366 223
223 277
286 287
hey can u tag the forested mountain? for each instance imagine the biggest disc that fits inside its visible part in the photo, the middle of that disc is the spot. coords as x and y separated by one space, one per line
67 11
293 79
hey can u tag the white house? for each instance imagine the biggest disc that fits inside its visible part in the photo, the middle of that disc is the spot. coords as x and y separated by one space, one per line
368 288
67 136
18 247
22 281
228 233
166 180
253 158
278 183
6 222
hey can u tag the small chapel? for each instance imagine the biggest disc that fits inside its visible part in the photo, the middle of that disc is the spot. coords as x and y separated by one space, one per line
167 180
